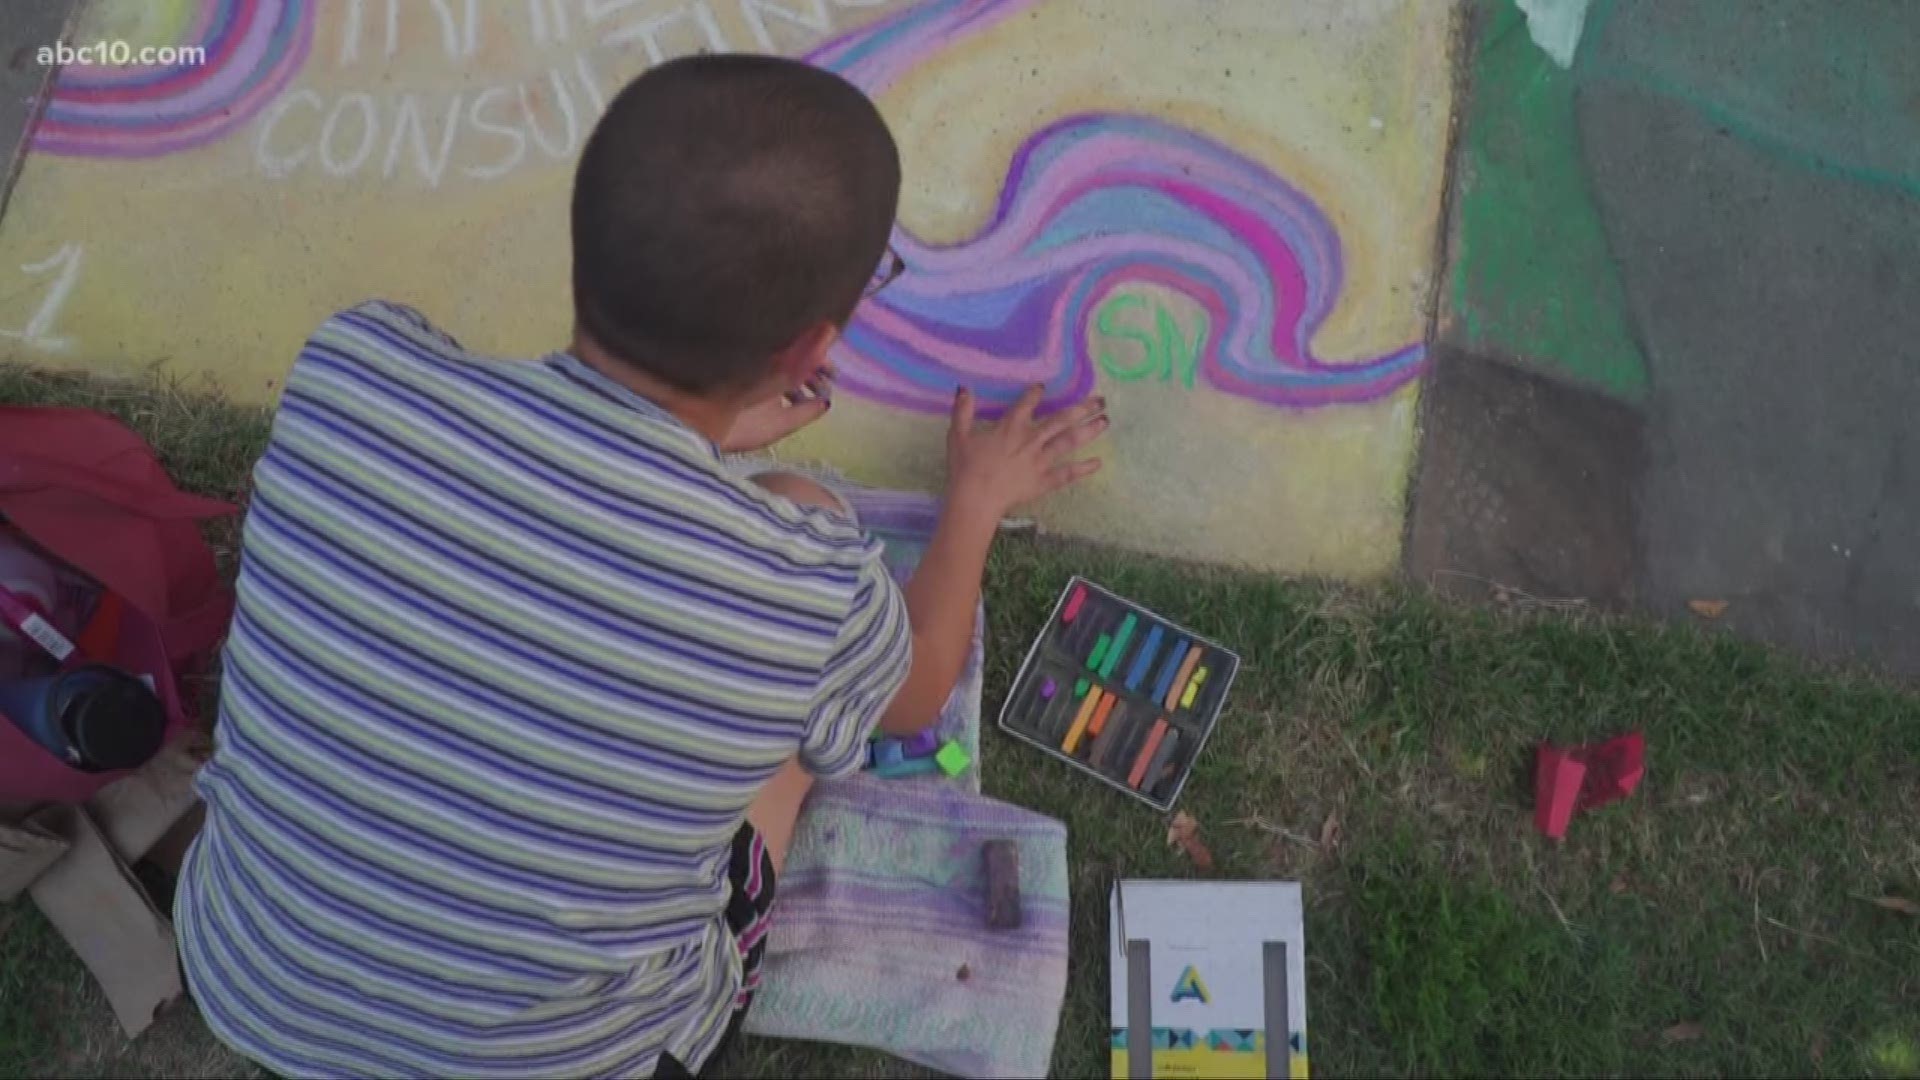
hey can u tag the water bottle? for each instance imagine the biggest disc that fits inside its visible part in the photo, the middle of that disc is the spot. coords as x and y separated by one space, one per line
31 579
93 718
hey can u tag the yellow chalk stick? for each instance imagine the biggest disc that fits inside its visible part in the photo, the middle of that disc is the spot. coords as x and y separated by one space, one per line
1186 700
1079 728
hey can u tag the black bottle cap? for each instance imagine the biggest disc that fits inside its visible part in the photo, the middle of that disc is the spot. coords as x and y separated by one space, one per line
112 719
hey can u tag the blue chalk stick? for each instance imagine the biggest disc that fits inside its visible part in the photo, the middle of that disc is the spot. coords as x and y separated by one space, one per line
1169 670
1144 659
917 766
888 752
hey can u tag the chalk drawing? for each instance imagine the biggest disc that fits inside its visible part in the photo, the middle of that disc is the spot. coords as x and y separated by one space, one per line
1187 208
1532 274
1166 351
253 48
1090 203
62 268
1555 26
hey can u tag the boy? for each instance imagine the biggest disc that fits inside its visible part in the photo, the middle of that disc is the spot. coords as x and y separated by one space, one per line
524 691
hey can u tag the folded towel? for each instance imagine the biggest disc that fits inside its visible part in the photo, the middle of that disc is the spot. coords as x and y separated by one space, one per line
880 939
879 935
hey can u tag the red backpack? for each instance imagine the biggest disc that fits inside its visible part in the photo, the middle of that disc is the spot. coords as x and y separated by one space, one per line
91 494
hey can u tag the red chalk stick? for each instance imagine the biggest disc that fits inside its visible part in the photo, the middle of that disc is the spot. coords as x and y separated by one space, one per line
1139 772
1073 604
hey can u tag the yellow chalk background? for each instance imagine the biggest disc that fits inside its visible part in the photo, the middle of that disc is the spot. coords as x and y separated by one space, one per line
201 264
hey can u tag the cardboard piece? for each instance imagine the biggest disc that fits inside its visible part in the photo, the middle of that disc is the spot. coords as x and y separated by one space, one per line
74 861
137 811
1209 978
92 898
26 850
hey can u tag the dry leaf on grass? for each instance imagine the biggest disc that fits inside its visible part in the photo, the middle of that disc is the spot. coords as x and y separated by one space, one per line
1330 833
1897 903
1686 1032
1618 886
1707 609
1185 831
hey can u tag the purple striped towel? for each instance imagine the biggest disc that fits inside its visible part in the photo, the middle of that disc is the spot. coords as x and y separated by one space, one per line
879 928
879 931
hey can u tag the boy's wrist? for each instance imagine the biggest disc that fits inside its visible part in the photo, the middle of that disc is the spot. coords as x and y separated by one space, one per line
973 508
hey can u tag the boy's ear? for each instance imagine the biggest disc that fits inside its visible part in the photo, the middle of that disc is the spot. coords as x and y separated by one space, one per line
803 358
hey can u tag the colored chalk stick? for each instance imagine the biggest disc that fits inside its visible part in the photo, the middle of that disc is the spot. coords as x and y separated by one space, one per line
1119 646
1080 688
909 767
1087 705
1143 660
922 744
1180 679
1047 688
1099 652
1002 859
1186 699
888 752
1154 737
1106 739
953 758
1158 768
1073 604
1100 714
1168 668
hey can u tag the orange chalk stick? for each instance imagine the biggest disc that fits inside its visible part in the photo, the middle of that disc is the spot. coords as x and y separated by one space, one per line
1139 772
1180 678
1079 728
1100 714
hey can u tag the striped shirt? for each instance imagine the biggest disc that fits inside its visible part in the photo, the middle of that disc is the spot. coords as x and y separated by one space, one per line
512 655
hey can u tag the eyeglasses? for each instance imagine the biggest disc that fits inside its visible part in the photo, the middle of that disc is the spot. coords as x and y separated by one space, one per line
890 269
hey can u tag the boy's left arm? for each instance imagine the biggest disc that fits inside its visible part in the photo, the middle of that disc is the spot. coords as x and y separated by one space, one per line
869 663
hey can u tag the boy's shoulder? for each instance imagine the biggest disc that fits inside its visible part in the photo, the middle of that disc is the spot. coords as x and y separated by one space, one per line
399 324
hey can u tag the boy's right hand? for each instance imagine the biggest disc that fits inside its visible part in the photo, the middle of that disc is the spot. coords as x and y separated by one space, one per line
995 468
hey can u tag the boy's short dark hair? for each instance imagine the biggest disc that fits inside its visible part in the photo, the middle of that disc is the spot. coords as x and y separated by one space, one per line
723 205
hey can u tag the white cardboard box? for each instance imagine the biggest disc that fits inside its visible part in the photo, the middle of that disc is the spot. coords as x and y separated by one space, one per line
1212 974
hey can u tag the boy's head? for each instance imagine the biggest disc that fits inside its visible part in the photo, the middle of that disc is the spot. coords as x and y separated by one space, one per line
728 214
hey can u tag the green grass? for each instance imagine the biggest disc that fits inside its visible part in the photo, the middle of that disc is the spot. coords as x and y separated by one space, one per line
1730 894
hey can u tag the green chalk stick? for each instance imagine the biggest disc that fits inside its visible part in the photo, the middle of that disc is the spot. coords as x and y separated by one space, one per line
1099 650
952 758
1119 646
1080 688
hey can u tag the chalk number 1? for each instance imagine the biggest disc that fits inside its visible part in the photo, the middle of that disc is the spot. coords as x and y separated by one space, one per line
63 270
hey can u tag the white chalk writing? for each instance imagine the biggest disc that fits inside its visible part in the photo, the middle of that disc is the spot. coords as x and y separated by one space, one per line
425 134
548 20
459 30
505 163
63 266
369 131
407 120
563 101
812 16
277 166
